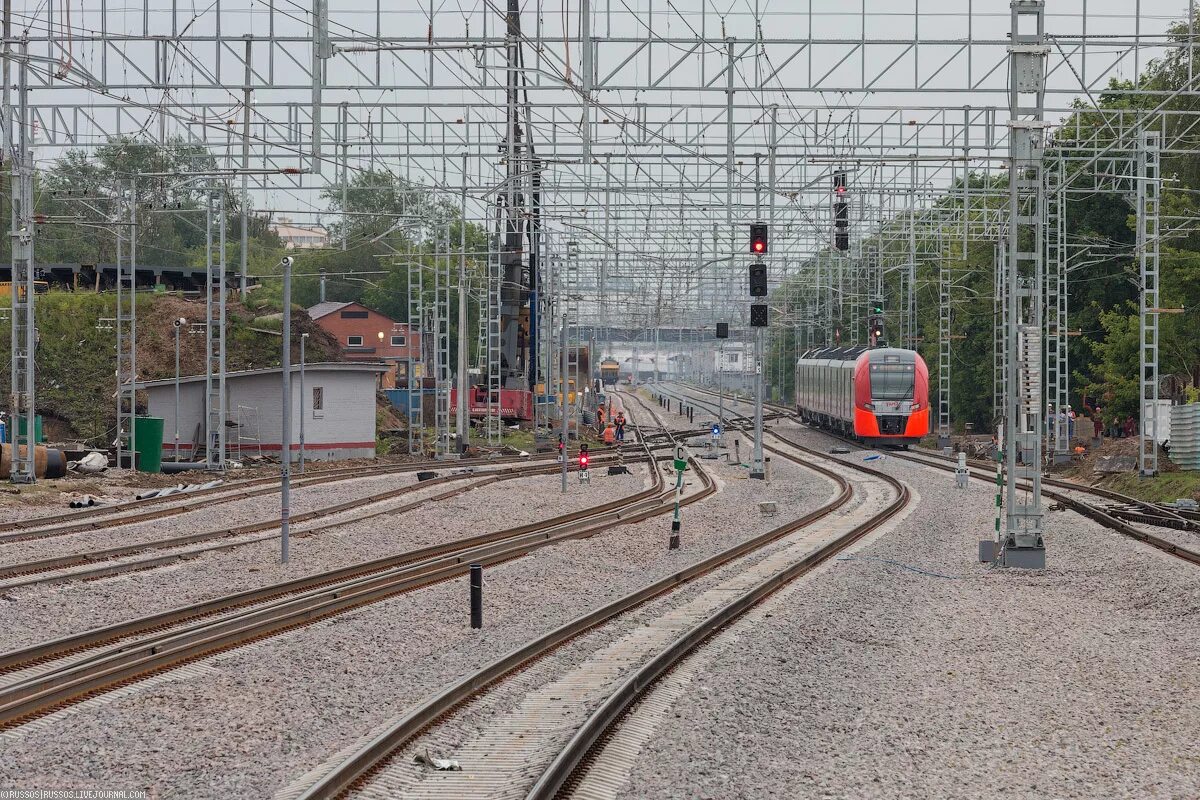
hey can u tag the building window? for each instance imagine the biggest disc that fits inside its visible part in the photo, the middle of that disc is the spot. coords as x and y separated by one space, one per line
318 401
734 358
354 341
397 340
354 315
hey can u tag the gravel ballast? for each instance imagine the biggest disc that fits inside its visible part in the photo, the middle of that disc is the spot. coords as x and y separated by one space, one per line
39 613
910 670
271 711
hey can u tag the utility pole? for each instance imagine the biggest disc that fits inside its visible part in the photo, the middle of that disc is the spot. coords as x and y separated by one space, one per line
461 427
17 148
285 439
1023 544
562 387
756 464
245 204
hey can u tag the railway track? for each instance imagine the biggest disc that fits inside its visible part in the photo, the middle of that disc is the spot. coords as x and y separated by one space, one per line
519 740
46 570
135 511
52 675
1138 510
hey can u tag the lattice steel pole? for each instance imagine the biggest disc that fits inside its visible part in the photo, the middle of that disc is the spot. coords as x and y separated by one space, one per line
1149 190
22 401
1023 533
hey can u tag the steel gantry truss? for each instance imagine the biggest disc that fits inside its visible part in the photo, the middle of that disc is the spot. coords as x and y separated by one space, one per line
1149 192
639 136
1023 544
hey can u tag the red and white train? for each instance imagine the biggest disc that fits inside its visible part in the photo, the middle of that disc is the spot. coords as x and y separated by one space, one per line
877 395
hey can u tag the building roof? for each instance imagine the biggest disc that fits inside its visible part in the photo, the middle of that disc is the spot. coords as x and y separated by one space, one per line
328 307
319 367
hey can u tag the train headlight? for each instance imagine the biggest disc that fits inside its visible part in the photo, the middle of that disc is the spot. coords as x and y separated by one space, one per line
916 406
869 406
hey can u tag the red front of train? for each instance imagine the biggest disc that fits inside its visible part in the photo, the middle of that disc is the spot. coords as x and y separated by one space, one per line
880 395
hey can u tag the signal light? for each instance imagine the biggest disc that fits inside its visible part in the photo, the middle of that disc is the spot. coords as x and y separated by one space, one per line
841 213
583 456
758 279
839 181
841 239
758 315
875 330
758 239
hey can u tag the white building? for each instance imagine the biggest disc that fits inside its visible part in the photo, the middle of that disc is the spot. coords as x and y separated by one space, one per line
337 403
300 237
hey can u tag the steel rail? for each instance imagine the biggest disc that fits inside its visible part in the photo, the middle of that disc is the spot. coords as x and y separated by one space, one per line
109 553
1095 513
47 691
110 516
359 764
574 755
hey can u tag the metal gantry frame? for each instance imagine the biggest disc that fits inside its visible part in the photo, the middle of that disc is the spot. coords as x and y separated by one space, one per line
647 138
1057 367
1024 545
416 367
1149 193
216 412
126 323
19 152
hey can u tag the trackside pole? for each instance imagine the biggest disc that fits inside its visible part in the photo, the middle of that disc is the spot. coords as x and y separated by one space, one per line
676 520
285 461
477 595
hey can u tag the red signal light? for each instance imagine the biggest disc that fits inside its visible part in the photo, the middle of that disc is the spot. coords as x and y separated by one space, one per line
758 247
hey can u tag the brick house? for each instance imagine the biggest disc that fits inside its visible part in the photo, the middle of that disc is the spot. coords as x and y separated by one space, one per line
367 335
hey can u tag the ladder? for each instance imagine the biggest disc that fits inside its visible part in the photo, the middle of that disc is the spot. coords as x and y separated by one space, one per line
441 322
493 422
249 435
943 421
571 310
1149 189
416 377
1058 426
214 330
126 326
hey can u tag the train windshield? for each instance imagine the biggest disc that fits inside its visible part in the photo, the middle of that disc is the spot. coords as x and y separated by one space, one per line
892 381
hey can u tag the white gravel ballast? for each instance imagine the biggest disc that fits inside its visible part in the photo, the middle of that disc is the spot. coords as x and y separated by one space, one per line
909 670
261 716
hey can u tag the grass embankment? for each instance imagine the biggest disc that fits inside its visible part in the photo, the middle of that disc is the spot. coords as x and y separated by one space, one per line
76 358
1165 487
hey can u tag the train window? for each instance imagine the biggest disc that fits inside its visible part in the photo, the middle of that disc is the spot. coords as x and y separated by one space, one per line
892 382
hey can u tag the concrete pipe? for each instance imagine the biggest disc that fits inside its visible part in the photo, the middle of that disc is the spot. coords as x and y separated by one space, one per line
47 462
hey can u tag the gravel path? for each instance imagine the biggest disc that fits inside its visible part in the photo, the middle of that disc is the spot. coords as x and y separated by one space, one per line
910 670
265 714
38 613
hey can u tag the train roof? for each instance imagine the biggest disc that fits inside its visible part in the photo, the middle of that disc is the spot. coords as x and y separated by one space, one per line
852 353
836 353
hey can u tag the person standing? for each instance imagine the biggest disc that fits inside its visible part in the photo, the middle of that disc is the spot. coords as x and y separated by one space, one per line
620 426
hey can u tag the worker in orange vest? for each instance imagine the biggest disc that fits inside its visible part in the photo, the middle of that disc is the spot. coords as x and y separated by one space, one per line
600 416
610 434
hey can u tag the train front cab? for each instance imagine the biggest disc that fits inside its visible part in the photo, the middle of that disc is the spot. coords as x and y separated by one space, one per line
891 397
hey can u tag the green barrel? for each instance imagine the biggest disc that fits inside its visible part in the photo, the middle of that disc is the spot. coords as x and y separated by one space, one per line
37 427
148 440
